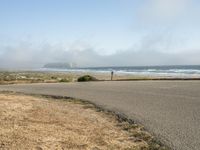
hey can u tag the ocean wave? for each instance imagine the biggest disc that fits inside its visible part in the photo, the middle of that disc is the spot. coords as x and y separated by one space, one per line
157 70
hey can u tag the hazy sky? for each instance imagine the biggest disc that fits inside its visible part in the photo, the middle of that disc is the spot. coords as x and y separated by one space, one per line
99 32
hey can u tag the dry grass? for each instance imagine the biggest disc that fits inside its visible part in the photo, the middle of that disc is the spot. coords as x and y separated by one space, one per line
28 122
8 77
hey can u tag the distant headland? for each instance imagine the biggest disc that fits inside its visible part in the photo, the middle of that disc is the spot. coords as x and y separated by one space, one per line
60 65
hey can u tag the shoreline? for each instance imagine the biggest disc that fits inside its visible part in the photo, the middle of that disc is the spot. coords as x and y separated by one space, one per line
20 77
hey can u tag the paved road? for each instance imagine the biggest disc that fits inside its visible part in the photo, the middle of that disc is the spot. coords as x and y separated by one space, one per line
169 109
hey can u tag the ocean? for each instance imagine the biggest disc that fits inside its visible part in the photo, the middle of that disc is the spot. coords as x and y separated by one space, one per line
169 71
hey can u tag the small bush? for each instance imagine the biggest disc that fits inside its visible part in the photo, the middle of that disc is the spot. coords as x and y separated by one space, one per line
86 78
64 80
53 77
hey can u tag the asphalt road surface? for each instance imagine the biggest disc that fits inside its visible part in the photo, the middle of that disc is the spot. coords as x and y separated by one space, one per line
168 109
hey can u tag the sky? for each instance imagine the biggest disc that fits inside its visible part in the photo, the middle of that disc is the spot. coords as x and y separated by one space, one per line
94 33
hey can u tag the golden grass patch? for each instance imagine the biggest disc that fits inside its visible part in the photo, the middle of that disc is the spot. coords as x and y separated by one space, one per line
28 122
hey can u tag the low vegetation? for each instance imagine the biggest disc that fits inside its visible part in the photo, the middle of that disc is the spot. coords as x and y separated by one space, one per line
86 78
7 77
35 77
30 122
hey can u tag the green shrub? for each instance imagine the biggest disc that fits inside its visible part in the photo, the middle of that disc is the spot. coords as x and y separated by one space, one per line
86 78
64 80
53 77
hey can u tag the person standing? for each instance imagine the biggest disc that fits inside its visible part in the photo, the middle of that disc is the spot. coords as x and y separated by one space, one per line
112 73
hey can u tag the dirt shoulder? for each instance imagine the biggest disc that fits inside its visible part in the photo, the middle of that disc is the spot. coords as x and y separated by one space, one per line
28 122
